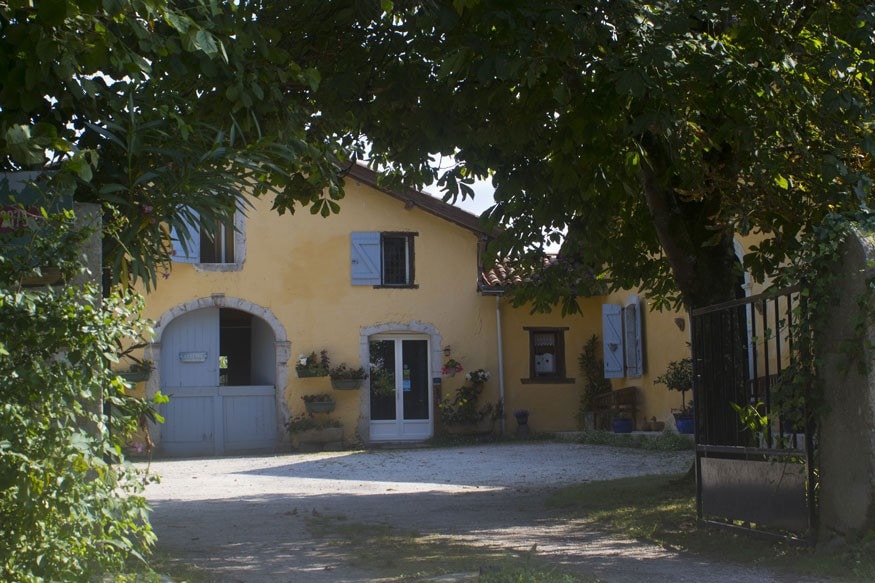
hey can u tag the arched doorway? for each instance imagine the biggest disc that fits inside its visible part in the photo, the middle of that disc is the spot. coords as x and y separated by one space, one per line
221 366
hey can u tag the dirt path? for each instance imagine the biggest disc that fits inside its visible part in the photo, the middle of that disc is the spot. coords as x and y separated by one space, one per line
246 519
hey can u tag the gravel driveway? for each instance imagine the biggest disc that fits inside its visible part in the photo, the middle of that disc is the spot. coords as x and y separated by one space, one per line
242 519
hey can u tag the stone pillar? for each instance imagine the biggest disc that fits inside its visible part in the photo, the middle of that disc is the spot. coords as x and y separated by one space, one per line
847 430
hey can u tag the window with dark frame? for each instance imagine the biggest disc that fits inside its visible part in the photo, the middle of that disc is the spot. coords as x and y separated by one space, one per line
397 259
217 244
547 354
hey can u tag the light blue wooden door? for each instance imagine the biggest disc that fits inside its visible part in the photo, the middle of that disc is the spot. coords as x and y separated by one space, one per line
190 377
204 416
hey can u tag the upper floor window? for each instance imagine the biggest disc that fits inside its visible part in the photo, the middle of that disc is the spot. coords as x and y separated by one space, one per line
382 259
547 355
218 248
217 243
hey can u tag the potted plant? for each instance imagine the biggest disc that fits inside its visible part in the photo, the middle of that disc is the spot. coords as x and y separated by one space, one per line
522 416
678 376
319 403
312 365
346 378
309 434
622 423
522 421
451 367
592 369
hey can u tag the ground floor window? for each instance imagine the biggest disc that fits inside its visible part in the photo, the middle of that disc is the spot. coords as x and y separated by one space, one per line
547 355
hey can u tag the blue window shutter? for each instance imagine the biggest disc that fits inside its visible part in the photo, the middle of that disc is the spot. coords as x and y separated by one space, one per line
186 247
365 265
612 340
633 337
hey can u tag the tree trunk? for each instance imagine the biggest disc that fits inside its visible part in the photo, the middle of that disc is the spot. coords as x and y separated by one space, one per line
700 251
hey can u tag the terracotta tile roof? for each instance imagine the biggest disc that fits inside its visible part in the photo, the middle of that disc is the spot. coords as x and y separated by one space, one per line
414 198
503 276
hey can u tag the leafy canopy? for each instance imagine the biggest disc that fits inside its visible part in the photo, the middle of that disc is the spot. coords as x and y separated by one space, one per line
165 112
641 136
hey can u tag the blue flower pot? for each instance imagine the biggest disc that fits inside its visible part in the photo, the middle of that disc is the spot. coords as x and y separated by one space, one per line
685 425
622 425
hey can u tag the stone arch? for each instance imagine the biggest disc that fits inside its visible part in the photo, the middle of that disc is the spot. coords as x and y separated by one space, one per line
282 348
413 327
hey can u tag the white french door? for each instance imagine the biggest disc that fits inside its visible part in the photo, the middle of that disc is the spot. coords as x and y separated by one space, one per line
401 404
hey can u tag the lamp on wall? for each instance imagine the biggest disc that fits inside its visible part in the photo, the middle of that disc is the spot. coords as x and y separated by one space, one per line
681 324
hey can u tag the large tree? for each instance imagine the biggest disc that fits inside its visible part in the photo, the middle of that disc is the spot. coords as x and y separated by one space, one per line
161 111
642 136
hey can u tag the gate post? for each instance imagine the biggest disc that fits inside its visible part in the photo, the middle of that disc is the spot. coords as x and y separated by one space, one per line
847 430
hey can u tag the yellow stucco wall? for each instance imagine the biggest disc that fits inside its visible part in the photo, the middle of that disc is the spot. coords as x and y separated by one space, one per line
298 268
554 407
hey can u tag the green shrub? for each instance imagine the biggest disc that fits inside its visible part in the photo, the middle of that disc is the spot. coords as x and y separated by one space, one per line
66 514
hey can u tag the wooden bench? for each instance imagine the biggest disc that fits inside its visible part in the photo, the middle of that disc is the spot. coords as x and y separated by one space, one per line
610 405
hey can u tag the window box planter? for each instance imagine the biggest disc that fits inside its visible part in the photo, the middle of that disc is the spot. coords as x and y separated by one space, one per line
320 406
135 376
326 438
304 373
346 384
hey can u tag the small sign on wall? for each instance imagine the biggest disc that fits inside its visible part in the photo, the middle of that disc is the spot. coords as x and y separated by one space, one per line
193 357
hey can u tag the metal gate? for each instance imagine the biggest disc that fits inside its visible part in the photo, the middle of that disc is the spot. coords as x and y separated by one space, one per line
754 434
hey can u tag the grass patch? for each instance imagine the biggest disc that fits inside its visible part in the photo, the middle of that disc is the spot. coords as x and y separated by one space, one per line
665 441
661 510
159 568
396 555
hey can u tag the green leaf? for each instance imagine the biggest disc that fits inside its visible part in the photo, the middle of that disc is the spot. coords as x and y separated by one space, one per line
51 12
631 82
178 22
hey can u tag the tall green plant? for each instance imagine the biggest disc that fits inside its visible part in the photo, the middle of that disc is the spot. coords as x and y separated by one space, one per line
678 376
66 514
592 368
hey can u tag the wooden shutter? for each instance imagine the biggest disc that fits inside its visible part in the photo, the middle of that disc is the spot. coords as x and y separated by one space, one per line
632 337
612 340
186 246
365 258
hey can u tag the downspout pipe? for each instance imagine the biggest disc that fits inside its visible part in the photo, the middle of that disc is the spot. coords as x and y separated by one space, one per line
500 363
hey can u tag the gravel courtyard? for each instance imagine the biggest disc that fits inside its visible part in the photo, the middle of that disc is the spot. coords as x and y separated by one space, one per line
243 519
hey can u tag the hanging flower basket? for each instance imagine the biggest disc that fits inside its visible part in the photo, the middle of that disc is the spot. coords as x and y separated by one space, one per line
344 378
313 365
346 384
135 376
320 406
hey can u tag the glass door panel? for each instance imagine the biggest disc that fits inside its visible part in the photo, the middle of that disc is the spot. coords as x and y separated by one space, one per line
382 380
415 379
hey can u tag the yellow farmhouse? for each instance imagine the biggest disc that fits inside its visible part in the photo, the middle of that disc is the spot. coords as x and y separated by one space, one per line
393 281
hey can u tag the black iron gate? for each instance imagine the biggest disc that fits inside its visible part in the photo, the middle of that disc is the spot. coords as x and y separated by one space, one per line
754 437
